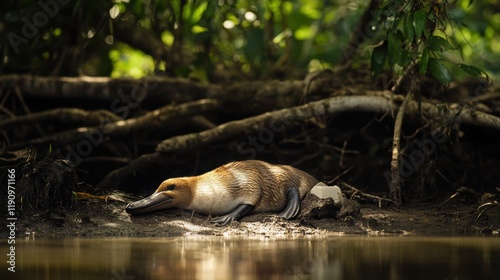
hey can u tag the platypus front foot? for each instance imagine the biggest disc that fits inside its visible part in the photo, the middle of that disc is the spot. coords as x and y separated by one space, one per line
222 220
292 208
235 215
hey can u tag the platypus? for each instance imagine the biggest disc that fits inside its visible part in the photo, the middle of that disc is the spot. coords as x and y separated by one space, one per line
232 191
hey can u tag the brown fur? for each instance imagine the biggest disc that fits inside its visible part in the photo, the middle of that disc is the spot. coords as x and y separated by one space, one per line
250 182
243 182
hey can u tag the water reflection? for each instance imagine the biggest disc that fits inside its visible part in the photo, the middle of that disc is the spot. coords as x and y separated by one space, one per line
222 258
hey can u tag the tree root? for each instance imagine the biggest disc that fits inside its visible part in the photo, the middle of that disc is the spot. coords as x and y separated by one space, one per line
155 120
377 104
153 90
63 115
329 106
116 177
395 187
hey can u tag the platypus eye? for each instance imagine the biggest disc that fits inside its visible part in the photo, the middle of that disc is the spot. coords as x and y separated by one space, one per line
170 187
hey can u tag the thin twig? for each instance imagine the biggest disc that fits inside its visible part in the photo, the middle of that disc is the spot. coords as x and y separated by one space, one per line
340 175
487 204
365 195
341 159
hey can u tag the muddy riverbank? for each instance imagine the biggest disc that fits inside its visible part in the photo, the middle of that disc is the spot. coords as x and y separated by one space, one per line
97 218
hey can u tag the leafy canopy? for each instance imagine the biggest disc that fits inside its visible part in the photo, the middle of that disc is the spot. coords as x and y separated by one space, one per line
195 38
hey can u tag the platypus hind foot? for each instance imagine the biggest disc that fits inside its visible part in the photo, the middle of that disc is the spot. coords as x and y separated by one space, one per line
235 215
292 208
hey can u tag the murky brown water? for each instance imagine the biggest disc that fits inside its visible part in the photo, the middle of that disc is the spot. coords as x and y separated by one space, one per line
221 258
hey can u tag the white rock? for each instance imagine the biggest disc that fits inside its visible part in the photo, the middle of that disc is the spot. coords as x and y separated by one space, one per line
323 191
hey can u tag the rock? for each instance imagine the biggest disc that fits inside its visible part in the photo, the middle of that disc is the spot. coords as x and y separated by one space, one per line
318 208
349 208
323 191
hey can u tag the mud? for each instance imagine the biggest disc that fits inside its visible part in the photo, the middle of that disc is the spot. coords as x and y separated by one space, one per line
98 218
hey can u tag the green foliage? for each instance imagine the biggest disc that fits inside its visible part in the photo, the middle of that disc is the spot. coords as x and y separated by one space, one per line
128 62
419 34
439 71
257 39
46 38
378 59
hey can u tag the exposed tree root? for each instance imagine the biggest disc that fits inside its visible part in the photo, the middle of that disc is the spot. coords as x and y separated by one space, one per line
329 106
62 115
154 120
116 177
154 90
395 187
257 106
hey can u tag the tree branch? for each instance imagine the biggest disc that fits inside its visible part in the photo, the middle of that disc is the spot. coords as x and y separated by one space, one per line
141 39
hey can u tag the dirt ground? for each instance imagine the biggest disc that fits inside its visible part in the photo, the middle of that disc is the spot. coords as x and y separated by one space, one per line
97 218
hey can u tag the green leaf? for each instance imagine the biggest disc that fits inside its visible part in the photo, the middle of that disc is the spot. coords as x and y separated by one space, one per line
198 12
439 44
394 49
424 61
439 71
471 70
379 56
408 27
419 21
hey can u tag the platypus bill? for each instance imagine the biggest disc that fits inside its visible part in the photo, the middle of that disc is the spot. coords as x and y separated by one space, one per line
232 191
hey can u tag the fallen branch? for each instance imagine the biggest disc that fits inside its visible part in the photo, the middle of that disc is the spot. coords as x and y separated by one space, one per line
356 191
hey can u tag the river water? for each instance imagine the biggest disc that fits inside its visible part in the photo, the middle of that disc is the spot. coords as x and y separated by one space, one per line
200 257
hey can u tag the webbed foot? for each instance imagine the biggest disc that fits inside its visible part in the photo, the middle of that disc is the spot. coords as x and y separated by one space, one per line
235 215
292 208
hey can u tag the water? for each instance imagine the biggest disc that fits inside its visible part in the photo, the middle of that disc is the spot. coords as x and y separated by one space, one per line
222 258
